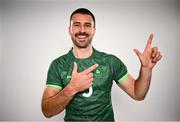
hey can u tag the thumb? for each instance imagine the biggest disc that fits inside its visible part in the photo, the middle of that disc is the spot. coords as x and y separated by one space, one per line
75 68
137 53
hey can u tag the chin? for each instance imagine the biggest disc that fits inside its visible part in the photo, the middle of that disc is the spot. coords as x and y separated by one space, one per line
82 46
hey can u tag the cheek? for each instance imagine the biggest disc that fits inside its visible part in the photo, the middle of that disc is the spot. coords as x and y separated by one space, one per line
90 32
73 32
70 33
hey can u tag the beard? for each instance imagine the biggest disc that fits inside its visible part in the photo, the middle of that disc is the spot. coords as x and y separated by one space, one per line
81 40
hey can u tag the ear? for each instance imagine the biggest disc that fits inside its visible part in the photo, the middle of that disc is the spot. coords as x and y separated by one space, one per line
94 30
69 30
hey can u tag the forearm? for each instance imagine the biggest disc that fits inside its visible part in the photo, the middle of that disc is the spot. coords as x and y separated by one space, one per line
56 104
143 82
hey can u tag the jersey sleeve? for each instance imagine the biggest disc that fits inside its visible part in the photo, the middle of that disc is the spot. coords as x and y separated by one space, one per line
53 76
120 71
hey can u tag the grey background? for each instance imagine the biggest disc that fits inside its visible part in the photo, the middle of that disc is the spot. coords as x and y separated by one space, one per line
33 33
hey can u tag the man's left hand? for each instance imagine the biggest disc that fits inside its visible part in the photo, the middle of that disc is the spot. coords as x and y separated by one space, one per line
150 56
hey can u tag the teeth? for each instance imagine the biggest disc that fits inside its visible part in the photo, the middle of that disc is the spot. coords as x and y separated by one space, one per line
82 37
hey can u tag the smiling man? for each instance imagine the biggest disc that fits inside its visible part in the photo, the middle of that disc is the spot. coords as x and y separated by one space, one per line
81 80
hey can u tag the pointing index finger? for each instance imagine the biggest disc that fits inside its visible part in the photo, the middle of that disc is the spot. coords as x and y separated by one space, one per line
91 68
75 68
148 45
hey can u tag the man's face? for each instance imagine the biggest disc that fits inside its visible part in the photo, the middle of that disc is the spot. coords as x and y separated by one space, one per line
82 30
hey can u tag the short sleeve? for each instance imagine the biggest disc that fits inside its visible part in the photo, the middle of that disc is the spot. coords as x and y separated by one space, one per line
120 71
53 76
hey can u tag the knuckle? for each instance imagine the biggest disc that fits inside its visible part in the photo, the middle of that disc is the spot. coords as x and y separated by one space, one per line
91 74
91 79
155 48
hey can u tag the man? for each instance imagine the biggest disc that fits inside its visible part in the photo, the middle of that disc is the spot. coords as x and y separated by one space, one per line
81 80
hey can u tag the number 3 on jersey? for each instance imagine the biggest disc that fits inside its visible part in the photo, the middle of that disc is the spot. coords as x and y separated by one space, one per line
89 93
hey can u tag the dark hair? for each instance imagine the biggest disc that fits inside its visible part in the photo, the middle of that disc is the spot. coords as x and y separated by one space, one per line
83 11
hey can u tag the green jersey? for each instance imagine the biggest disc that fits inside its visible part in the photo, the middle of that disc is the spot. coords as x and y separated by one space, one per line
94 104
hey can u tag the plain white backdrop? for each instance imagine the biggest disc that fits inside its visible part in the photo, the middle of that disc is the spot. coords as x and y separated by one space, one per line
33 33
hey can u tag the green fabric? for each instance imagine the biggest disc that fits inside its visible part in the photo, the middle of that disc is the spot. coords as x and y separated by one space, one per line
123 78
55 86
98 106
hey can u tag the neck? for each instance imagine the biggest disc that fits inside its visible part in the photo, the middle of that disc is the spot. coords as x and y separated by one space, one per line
82 52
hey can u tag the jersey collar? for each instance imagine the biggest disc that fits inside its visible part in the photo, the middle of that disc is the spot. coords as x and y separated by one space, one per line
92 55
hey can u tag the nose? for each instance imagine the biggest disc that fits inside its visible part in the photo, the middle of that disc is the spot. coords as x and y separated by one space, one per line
82 29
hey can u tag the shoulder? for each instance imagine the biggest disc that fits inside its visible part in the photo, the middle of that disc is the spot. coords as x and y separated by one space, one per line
62 59
104 55
109 57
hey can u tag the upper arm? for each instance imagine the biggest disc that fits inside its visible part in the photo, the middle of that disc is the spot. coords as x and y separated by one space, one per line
53 82
121 76
127 85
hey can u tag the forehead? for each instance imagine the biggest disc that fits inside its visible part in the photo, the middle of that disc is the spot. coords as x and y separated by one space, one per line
82 18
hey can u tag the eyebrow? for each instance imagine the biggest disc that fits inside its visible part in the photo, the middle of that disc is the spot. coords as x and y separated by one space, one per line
89 23
76 22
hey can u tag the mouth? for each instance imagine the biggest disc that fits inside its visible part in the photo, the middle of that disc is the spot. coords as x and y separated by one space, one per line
81 38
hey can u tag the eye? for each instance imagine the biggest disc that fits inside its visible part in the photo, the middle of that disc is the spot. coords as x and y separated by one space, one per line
87 25
76 24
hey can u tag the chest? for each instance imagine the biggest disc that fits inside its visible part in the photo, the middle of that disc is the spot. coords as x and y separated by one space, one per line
102 74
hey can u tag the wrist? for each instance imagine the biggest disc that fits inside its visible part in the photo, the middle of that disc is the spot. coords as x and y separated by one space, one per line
72 89
146 68
145 71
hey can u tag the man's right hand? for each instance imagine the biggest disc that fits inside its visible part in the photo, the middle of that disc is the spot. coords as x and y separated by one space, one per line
81 81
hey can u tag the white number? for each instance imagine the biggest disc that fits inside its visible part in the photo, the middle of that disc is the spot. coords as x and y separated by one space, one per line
89 93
